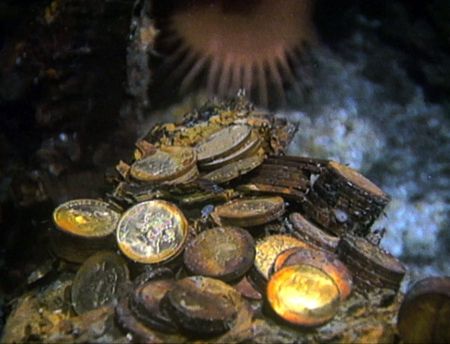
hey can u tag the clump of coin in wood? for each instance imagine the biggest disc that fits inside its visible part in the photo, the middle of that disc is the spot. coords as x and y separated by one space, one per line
211 231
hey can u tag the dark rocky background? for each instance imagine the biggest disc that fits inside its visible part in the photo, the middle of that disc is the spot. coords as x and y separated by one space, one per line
70 109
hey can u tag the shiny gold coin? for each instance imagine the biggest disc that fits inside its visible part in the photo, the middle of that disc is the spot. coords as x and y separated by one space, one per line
166 163
325 261
86 218
303 295
222 143
98 280
250 211
152 232
270 247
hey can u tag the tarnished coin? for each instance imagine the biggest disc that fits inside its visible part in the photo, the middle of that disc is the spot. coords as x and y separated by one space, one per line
166 163
152 232
312 234
234 169
269 248
326 261
146 304
98 280
222 143
424 315
247 212
203 305
86 218
225 253
303 295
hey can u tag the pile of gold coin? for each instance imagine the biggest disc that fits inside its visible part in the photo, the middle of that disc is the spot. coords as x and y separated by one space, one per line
212 231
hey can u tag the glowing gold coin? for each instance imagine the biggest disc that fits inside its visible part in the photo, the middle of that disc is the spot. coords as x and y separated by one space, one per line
222 143
152 232
164 164
86 218
303 295
270 247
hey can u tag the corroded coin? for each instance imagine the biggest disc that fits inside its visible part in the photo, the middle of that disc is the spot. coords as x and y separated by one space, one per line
98 280
222 143
303 295
86 218
270 247
312 234
166 163
152 232
234 169
146 304
203 305
247 212
225 253
326 261
424 315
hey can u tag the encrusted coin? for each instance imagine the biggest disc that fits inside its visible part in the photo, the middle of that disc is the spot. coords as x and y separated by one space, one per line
247 212
225 253
203 305
98 280
325 261
86 218
146 304
152 232
222 143
166 163
303 295
424 315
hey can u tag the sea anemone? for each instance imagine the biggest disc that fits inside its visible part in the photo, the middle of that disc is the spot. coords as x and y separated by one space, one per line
222 46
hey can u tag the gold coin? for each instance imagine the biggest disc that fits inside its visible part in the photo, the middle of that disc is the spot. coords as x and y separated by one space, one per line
222 143
164 164
86 218
303 295
152 232
234 169
270 247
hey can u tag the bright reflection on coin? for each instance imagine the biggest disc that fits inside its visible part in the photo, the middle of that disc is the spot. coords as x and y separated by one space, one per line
86 218
303 295
152 232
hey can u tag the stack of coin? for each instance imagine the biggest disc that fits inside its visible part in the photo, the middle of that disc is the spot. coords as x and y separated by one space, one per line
166 164
286 176
228 145
352 201
83 226
370 265
152 232
249 212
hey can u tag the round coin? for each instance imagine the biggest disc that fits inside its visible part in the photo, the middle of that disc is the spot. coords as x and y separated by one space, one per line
303 295
203 305
222 143
247 212
424 315
234 169
325 261
86 218
270 247
166 163
98 280
225 253
152 232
